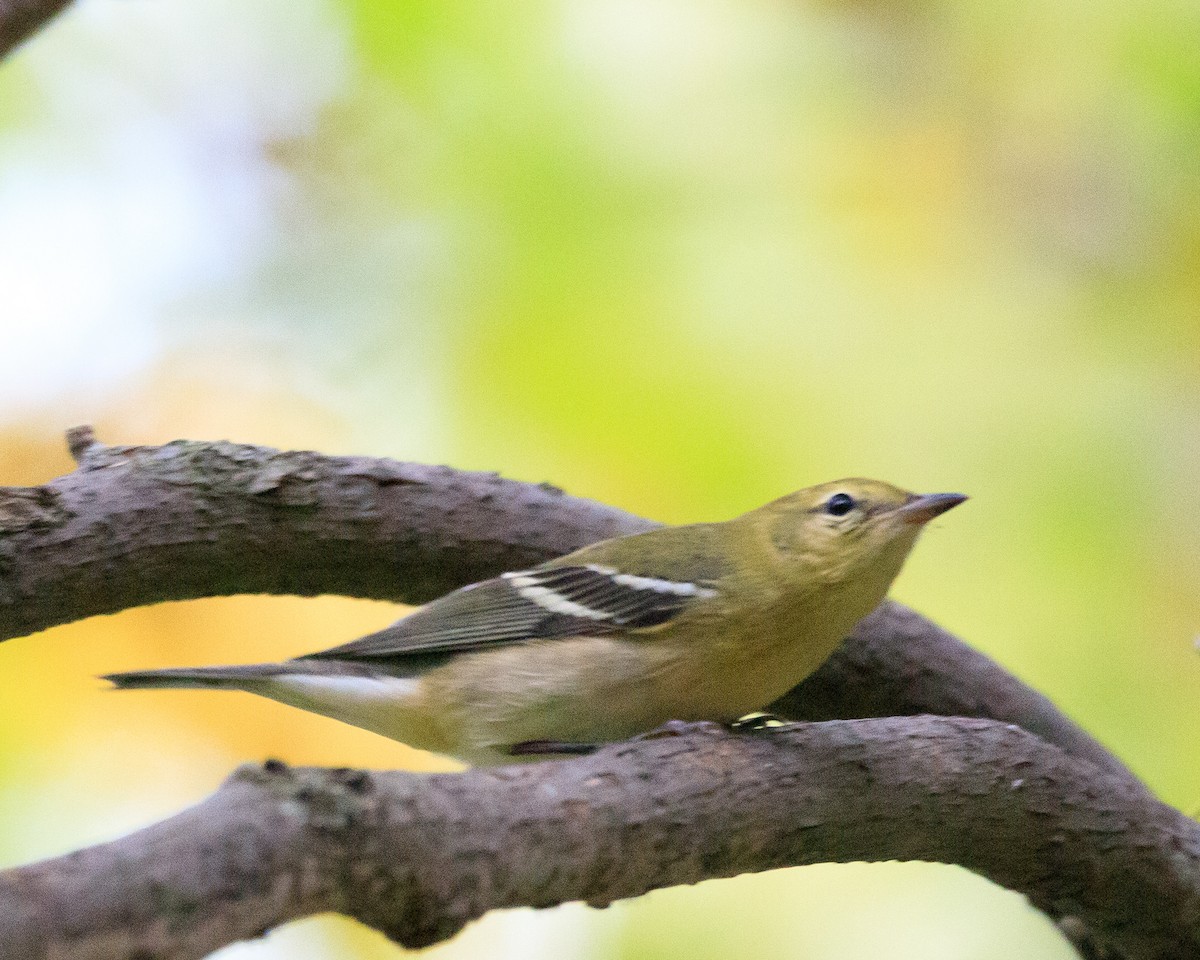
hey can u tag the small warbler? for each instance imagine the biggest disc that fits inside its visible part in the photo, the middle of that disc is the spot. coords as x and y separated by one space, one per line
710 621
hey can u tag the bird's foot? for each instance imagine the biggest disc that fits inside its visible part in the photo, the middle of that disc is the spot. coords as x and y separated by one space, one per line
551 748
753 722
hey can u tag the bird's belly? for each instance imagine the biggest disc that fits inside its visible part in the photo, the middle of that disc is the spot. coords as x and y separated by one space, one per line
594 690
582 690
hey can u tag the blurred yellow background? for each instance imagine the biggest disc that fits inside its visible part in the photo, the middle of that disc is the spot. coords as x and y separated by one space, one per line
676 256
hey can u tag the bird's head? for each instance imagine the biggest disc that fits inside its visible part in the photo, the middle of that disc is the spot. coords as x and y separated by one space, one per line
852 530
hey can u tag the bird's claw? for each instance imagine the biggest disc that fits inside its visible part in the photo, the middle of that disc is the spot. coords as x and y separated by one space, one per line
753 722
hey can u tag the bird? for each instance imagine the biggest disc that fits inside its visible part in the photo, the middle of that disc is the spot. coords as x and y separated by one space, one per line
699 622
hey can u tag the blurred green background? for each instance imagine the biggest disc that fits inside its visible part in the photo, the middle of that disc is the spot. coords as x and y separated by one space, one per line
681 257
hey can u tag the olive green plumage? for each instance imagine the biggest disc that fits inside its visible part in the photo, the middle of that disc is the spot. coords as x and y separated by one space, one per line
703 622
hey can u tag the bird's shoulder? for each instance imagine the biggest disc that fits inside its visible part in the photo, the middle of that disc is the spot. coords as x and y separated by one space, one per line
697 553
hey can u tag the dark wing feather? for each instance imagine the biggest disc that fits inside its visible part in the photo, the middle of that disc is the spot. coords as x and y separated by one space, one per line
543 604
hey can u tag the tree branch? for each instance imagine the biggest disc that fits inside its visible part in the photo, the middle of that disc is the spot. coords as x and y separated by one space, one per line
419 856
20 19
137 525
897 663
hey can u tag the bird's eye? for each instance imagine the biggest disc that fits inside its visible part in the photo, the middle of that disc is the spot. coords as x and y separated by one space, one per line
840 504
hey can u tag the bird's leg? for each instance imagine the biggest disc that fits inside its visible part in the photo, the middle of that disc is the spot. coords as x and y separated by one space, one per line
672 728
551 748
752 723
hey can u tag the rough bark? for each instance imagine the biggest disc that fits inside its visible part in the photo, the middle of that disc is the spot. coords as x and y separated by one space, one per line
1068 825
897 663
419 856
138 525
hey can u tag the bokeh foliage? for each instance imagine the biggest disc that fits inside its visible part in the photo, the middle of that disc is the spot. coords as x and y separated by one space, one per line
677 256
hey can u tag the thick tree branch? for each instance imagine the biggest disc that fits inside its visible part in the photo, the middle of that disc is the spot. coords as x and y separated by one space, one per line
137 525
897 663
20 19
418 856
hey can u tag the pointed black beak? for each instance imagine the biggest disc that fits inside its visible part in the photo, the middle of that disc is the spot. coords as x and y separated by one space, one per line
922 509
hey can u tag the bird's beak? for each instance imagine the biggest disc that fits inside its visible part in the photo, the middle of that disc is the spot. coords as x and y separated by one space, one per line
923 508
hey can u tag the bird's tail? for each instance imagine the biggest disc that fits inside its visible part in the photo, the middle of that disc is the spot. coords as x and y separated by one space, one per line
359 694
203 678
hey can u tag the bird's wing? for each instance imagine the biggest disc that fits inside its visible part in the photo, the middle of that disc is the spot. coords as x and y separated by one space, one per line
549 602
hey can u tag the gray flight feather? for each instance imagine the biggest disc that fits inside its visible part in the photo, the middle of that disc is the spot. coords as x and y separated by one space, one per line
546 603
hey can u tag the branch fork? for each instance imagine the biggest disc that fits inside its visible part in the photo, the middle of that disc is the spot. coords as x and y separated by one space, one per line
906 744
